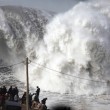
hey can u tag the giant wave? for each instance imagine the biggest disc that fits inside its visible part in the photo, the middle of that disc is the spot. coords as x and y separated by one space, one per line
73 55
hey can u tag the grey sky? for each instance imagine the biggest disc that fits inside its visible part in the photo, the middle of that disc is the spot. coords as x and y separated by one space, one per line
51 5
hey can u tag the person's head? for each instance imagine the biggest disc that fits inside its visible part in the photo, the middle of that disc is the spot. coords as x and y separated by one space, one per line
37 86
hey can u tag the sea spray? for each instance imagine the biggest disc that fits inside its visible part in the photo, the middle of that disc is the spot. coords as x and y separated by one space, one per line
78 45
72 56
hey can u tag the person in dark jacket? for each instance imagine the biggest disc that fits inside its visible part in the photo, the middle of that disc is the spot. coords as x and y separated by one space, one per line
38 91
43 101
16 91
4 90
10 90
23 99
36 98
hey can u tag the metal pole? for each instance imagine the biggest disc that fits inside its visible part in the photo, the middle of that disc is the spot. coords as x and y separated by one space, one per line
27 86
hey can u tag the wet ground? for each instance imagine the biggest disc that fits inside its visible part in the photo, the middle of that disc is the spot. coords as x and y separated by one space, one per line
92 102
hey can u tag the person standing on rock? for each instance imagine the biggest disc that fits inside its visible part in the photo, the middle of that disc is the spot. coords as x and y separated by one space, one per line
38 92
36 98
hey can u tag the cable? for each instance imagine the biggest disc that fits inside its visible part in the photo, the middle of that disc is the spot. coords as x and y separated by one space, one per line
11 65
49 69
5 69
65 73
90 84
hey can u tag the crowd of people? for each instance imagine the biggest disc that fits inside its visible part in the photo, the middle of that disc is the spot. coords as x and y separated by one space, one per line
12 94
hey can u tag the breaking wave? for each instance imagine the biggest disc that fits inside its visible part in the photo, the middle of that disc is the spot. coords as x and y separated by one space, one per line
71 56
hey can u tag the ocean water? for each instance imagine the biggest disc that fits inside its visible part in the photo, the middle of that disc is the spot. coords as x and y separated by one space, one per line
68 52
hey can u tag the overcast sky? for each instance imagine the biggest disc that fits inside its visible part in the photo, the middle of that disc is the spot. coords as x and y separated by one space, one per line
51 5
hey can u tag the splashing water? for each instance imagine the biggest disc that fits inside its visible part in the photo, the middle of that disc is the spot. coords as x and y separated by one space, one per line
76 43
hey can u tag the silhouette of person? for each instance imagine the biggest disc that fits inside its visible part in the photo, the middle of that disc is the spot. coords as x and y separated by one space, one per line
10 90
15 92
36 98
37 91
0 90
4 90
23 99
30 100
43 101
